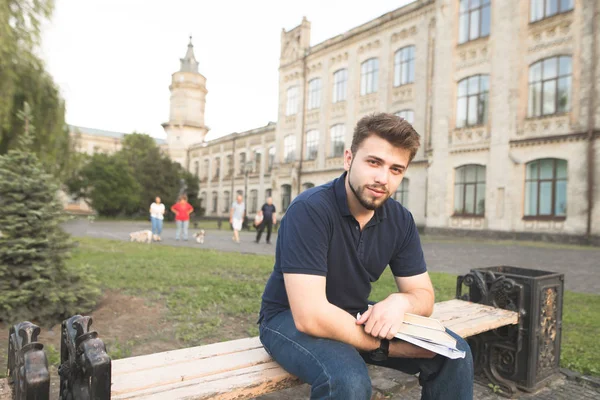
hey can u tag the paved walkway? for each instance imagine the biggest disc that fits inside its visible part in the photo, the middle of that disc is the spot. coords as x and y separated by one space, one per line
581 265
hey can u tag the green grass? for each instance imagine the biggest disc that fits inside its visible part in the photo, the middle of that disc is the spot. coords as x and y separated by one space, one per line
213 295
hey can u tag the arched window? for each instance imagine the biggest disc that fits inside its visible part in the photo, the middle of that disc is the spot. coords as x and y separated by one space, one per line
408 115
547 8
292 101
340 81
550 86
472 102
307 185
206 167
404 66
271 158
401 194
217 167
369 71
215 201
474 21
312 144
546 188
253 200
242 164
469 190
289 148
286 196
227 202
337 140
314 93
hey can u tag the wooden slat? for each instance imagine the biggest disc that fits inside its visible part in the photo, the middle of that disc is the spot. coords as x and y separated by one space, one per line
243 369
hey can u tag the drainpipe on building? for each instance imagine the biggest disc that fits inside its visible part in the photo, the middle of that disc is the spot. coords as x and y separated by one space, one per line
592 120
303 123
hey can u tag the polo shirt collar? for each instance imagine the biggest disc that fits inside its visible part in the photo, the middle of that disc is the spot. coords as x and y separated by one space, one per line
342 201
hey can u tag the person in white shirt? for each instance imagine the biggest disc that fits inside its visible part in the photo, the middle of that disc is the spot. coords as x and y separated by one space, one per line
157 214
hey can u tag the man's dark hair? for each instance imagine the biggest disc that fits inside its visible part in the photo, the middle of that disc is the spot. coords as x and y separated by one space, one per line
390 127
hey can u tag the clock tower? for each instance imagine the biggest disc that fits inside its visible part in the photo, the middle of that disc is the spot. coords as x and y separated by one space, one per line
186 117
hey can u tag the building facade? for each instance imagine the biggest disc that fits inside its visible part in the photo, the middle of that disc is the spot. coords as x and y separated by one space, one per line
503 93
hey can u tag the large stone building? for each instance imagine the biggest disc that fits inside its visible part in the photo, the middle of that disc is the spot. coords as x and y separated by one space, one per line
504 95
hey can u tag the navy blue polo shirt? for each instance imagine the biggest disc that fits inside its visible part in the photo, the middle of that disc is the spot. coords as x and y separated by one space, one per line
319 236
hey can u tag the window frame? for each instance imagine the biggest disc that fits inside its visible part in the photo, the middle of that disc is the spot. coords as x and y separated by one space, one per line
556 79
271 158
292 100
402 192
400 64
286 195
253 201
465 184
554 180
215 199
289 149
468 96
312 143
314 93
369 73
340 85
544 13
470 10
227 197
407 112
337 132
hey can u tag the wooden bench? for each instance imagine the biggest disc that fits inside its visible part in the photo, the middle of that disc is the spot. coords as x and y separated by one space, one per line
243 369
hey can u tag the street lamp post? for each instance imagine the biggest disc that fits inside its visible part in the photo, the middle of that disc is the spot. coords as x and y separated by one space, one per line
247 168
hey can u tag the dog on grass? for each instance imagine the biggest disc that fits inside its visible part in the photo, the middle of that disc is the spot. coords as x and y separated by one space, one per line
199 236
141 236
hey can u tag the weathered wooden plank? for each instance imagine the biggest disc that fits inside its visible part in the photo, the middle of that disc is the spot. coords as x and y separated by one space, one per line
187 370
166 358
243 383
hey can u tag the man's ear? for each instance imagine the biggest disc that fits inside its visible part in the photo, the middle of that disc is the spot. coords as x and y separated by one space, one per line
347 159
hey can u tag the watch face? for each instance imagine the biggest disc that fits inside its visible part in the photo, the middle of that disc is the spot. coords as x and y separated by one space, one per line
378 355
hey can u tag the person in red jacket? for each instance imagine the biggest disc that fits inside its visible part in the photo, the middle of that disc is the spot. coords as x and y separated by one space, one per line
182 210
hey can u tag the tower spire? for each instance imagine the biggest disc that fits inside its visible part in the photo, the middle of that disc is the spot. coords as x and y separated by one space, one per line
189 63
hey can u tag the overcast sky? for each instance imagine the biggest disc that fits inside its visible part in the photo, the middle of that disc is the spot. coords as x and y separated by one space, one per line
113 59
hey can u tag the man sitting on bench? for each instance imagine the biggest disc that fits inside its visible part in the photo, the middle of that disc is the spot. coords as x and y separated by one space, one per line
335 240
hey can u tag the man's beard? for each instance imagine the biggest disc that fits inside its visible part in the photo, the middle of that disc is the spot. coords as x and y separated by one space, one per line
361 193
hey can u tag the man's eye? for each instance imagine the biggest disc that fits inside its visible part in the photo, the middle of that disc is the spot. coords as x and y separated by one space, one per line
372 162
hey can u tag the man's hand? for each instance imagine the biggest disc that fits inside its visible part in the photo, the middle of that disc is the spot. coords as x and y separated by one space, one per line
384 319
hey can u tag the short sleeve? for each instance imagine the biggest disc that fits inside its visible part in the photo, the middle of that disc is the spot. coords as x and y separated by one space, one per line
304 240
409 259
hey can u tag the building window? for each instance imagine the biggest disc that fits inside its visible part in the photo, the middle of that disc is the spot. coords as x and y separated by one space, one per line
369 71
472 103
474 20
196 168
469 191
217 167
337 140
307 185
541 9
550 86
227 203
257 161
404 66
408 115
268 193
312 144
271 157
401 195
546 188
314 93
286 196
204 201
229 165
292 101
215 200
340 81
289 148
242 163
253 201
206 167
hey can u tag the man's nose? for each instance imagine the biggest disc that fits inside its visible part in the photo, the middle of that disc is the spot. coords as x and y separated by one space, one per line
382 176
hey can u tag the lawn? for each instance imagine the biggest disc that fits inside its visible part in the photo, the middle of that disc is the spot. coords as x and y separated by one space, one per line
214 296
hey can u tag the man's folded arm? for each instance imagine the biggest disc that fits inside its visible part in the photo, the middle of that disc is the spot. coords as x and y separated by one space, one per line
316 316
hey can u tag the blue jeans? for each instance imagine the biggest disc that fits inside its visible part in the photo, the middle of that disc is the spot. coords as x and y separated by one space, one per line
336 370
182 225
157 225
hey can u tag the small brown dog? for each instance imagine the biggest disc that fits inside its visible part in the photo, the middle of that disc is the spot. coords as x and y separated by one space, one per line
199 236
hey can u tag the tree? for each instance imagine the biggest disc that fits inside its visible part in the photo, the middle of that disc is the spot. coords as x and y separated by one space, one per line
35 280
108 185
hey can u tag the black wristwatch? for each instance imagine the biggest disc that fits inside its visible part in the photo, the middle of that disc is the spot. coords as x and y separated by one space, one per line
381 353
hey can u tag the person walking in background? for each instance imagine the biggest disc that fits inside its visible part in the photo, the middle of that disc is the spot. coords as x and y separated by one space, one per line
236 217
182 210
157 214
269 219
